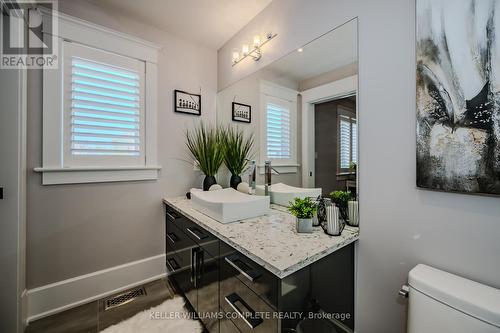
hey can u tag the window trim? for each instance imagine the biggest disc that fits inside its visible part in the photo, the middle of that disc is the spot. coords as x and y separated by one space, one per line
96 36
280 92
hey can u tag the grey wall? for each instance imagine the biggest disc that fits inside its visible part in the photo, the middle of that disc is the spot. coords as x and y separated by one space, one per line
326 145
78 229
400 224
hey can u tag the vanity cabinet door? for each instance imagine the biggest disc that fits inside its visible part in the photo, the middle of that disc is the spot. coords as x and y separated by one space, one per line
208 290
186 278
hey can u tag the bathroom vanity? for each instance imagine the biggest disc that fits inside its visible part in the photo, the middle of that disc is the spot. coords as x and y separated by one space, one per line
258 274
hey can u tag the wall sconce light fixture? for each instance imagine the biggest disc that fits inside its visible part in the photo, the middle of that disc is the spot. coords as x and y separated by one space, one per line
255 52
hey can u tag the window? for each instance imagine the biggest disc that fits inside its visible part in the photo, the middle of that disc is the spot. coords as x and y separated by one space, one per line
278 127
99 107
347 140
104 117
278 131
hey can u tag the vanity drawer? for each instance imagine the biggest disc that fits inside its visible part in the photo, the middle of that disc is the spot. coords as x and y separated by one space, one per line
172 214
254 276
173 263
200 236
177 240
247 311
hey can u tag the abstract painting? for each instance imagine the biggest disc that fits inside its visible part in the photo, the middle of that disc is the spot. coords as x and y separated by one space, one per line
458 95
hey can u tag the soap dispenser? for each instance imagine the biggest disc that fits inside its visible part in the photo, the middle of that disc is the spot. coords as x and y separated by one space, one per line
252 175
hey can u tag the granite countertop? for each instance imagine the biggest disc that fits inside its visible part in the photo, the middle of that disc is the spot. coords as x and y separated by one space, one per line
270 240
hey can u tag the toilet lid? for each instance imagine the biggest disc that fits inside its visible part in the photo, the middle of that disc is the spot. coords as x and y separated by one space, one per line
470 297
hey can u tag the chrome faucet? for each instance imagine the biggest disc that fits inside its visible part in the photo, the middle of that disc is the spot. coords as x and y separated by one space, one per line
252 174
267 173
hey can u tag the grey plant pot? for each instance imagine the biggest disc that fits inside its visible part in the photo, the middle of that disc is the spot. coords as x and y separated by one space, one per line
304 225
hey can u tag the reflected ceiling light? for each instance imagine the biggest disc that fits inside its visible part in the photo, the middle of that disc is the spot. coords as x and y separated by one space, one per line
236 56
245 49
300 49
255 52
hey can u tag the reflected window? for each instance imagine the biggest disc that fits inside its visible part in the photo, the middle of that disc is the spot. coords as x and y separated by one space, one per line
278 131
347 134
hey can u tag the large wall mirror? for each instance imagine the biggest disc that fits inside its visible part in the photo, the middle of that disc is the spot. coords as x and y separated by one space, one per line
302 110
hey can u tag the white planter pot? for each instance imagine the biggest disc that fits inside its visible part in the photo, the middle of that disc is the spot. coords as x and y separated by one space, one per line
304 225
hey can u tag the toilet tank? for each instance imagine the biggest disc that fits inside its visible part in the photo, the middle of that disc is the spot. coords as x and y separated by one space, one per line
443 302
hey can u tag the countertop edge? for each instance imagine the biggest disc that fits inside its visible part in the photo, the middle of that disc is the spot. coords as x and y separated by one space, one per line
276 271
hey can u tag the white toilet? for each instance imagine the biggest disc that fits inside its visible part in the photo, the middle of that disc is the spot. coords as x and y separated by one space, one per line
443 302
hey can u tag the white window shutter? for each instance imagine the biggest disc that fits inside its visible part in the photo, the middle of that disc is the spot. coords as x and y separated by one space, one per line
278 132
345 142
104 108
105 114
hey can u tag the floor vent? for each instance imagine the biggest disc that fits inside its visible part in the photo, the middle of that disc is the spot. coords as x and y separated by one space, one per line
124 298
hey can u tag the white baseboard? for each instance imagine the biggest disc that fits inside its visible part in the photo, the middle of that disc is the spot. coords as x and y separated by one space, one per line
59 296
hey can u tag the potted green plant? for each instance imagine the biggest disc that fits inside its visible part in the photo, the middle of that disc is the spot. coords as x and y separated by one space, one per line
341 198
205 143
303 210
237 151
353 167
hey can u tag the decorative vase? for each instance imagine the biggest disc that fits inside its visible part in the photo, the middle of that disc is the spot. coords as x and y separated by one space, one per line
344 215
208 181
235 181
315 219
353 213
304 225
333 225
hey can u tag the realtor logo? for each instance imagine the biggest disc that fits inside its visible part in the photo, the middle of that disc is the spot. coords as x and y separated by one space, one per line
28 34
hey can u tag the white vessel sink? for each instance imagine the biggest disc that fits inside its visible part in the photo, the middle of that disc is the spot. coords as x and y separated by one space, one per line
282 194
229 205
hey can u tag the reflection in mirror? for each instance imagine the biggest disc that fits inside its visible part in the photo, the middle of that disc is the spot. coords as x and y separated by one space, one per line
302 110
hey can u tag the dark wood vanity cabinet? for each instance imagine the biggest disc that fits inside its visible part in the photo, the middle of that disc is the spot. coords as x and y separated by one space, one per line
217 279
193 265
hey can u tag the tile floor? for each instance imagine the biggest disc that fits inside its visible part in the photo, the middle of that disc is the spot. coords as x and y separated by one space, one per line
91 317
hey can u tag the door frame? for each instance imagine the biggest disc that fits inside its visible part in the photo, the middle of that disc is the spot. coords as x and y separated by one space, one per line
14 202
331 91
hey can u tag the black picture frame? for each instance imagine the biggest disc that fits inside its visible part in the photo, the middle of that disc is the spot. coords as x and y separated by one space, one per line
242 113
187 103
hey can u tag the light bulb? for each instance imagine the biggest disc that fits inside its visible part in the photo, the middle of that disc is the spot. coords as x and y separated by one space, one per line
300 50
256 41
236 56
245 49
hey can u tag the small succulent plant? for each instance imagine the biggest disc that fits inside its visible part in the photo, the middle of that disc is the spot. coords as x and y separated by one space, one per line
302 208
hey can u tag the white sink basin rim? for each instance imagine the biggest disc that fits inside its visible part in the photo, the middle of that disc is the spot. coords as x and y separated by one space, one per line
282 194
228 205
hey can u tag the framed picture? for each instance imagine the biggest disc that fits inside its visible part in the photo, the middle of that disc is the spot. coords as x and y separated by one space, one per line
242 112
187 103
458 128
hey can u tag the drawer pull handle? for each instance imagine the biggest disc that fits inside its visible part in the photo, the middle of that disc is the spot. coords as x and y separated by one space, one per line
197 233
173 237
172 264
249 316
194 266
171 216
242 267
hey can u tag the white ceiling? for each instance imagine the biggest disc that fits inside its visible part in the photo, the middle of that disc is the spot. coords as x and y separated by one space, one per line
210 22
333 50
